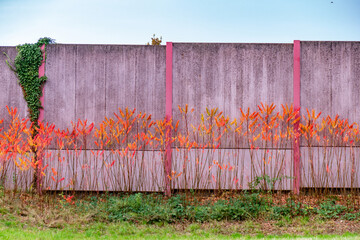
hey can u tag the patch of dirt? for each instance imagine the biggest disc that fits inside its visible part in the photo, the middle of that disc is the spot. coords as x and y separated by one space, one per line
296 227
312 200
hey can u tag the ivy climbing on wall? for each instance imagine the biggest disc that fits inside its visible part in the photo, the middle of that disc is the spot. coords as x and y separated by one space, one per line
26 67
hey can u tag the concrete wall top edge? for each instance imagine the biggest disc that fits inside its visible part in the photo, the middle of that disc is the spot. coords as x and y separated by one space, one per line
329 41
219 43
104 45
9 47
225 43
100 45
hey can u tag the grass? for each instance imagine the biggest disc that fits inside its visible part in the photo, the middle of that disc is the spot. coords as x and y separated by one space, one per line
141 216
124 230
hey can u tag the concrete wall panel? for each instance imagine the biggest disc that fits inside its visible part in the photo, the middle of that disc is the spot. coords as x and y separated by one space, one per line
230 76
90 83
93 81
135 78
10 93
330 167
85 171
330 78
60 88
232 169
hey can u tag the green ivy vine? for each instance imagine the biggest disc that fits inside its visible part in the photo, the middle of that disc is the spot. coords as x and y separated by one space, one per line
26 67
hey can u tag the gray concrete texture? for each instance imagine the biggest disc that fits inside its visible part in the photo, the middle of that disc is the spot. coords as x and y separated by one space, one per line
93 81
330 167
230 76
108 171
330 78
10 93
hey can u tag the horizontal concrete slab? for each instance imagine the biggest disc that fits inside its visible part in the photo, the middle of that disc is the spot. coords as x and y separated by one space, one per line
330 167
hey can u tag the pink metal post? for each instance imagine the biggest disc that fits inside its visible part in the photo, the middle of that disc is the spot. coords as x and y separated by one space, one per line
41 74
41 118
296 146
168 112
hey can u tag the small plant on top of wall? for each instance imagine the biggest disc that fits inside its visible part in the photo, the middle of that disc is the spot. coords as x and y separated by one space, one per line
155 41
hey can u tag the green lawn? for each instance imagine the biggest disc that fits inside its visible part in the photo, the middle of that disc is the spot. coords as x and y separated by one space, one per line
131 231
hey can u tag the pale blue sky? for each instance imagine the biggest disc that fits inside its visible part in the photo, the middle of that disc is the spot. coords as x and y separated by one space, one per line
134 22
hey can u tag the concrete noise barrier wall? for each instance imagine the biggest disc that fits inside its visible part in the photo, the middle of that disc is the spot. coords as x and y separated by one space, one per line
92 81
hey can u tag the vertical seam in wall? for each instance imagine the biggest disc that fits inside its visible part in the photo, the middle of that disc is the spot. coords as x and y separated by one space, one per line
153 102
41 74
331 78
76 59
168 87
168 113
135 78
124 60
297 104
105 61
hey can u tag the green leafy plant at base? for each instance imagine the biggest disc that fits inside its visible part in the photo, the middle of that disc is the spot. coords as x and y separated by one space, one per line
291 209
258 182
351 216
329 209
150 209
142 208
247 207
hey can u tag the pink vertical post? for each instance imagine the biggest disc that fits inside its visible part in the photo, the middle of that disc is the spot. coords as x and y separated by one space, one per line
41 118
41 74
296 145
168 112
